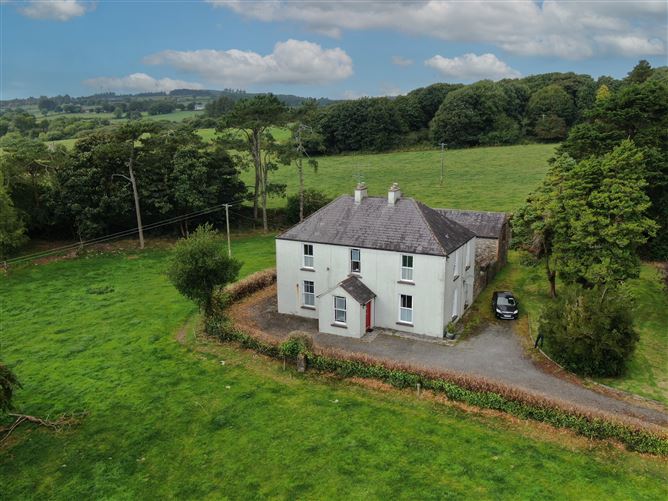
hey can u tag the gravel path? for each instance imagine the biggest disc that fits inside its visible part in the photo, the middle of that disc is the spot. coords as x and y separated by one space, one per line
494 353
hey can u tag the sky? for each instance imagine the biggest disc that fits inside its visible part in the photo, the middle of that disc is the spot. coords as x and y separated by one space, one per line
343 49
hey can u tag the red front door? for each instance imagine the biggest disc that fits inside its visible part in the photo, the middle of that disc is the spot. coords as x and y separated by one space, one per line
368 316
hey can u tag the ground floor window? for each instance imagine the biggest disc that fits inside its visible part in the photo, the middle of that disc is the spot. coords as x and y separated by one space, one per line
406 308
340 309
309 293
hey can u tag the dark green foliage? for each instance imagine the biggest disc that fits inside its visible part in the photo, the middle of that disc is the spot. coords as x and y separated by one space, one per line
640 72
8 384
638 112
553 101
367 124
470 115
589 331
550 128
313 200
161 107
200 265
12 227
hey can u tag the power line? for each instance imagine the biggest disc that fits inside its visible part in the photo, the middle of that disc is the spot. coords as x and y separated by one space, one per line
120 234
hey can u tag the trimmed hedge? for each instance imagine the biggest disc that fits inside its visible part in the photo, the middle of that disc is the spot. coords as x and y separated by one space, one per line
457 387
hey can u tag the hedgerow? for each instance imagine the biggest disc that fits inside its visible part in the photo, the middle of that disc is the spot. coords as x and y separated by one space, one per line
470 390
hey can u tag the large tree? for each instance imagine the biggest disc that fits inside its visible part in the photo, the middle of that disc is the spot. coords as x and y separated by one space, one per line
251 119
638 112
604 219
201 265
588 219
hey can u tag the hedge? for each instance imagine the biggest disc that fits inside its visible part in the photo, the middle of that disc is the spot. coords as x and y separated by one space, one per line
471 390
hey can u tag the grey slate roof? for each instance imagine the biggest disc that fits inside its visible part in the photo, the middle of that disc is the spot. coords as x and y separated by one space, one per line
359 292
407 226
483 224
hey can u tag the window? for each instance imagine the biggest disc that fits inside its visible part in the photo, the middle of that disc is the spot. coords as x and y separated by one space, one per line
309 293
355 261
407 268
406 309
308 256
455 304
340 309
455 264
468 254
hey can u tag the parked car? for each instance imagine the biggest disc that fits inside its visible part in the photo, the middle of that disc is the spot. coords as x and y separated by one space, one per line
504 305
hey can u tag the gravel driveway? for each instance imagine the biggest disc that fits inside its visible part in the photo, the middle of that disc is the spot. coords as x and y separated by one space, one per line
494 353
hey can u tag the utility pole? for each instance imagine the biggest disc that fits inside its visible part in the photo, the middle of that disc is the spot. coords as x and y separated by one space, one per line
442 161
227 222
133 182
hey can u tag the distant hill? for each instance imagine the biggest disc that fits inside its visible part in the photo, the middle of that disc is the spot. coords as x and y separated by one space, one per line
178 94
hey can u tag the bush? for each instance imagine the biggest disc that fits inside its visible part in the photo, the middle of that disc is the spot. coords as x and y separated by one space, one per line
296 344
313 200
200 266
589 331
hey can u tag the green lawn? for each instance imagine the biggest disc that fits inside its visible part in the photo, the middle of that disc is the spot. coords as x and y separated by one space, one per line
647 374
494 178
170 421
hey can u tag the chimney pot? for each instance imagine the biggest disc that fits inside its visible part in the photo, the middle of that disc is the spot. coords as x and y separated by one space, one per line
394 194
360 192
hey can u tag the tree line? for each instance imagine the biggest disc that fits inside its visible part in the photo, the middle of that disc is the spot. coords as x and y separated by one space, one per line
602 205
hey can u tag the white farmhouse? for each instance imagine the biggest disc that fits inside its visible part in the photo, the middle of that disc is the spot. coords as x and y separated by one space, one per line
362 262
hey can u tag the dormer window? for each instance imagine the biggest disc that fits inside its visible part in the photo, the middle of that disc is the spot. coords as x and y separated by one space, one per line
308 255
355 261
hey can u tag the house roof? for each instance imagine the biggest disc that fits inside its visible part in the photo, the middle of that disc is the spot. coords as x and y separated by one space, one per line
483 224
359 292
406 226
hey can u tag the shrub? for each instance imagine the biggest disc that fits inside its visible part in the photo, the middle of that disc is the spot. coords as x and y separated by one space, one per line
296 344
245 287
589 331
200 265
313 200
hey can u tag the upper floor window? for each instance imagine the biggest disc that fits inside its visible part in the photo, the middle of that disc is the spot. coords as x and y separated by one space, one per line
340 309
407 268
309 293
406 309
308 255
355 261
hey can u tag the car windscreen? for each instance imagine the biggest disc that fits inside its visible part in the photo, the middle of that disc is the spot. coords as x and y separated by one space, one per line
505 301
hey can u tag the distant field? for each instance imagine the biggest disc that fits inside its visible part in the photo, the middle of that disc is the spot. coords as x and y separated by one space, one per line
492 179
172 421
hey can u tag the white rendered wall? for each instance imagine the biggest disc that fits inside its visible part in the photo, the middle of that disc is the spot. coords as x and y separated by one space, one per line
381 272
354 315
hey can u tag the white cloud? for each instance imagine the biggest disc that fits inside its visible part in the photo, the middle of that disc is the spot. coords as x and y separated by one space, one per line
472 67
291 62
565 29
401 61
55 10
632 45
139 82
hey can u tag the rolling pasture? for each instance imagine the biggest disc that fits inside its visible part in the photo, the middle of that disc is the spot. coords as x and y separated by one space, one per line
166 418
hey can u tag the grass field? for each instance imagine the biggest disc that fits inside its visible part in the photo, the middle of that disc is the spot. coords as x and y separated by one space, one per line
167 420
647 374
493 179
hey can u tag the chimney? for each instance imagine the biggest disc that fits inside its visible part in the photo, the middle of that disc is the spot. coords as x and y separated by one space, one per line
360 192
394 194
